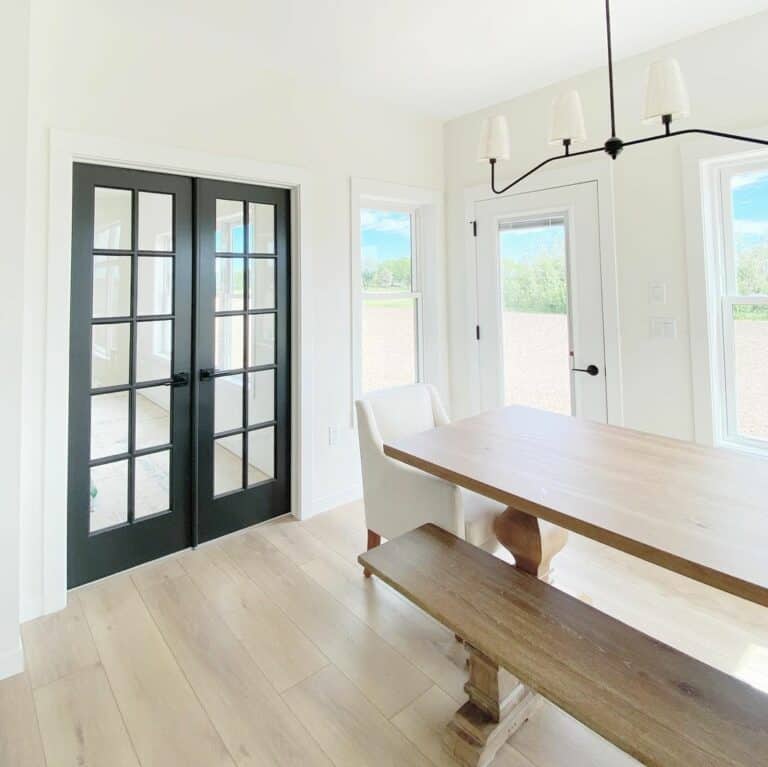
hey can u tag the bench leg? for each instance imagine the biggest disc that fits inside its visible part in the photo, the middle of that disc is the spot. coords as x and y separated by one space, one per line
374 540
498 705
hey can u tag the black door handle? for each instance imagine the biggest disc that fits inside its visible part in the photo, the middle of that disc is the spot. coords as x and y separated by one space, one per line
206 374
590 370
179 379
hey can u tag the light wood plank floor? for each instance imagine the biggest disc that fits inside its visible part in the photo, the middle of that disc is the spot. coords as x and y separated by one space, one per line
269 648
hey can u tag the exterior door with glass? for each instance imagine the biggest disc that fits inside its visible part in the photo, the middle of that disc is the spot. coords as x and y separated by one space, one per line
540 307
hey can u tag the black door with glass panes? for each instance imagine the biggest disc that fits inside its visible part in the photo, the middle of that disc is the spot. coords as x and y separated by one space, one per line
243 327
150 470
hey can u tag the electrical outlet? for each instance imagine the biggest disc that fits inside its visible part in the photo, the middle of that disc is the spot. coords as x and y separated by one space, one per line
333 435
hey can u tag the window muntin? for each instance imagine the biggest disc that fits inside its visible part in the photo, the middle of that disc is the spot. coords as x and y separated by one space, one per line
391 298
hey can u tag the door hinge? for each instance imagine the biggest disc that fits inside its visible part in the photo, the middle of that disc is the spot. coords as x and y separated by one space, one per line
477 332
474 228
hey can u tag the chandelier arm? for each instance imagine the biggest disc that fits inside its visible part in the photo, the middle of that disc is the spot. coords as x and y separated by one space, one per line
537 167
700 131
610 66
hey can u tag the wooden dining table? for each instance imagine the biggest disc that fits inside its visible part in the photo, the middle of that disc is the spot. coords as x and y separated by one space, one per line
698 511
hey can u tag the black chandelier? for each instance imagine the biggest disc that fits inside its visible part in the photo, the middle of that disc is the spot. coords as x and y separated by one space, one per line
666 99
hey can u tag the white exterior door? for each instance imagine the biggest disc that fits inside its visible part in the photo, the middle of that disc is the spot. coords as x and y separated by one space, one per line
540 303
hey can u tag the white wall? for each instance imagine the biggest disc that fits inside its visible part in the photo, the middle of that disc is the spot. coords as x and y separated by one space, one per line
170 74
725 69
14 70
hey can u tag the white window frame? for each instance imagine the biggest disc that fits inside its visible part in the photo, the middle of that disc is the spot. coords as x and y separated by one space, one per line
707 175
425 209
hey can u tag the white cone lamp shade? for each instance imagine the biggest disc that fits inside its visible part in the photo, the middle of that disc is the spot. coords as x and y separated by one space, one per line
567 119
666 93
494 139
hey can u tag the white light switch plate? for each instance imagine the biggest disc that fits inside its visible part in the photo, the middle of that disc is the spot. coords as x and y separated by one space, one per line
663 327
657 293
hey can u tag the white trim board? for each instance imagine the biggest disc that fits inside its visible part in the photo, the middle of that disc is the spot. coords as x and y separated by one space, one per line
599 170
701 162
67 148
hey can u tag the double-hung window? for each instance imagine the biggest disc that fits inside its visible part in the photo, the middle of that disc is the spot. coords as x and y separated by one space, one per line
741 280
390 309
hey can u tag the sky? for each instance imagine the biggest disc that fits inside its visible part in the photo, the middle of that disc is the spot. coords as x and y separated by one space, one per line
750 209
525 244
384 235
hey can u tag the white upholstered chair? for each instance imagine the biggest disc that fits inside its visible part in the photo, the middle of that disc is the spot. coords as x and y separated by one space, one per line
399 498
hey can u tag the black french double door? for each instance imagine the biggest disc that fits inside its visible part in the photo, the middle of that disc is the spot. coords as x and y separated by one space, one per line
179 417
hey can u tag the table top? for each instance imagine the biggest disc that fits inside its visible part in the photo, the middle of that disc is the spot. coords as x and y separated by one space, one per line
701 512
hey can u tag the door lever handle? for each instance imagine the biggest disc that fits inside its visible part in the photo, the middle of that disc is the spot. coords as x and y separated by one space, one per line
179 379
206 374
590 370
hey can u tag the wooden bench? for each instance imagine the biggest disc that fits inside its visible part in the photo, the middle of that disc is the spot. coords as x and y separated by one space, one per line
525 637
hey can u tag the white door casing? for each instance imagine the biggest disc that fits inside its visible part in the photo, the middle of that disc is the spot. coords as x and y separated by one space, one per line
577 205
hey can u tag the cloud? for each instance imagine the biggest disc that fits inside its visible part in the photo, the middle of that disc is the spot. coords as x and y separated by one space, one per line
385 221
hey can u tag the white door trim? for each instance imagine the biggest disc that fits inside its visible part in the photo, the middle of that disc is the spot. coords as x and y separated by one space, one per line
599 170
67 148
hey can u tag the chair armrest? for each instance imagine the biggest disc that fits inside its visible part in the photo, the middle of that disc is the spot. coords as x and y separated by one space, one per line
399 498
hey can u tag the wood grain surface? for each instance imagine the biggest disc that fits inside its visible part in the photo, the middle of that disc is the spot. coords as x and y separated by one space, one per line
701 512
657 704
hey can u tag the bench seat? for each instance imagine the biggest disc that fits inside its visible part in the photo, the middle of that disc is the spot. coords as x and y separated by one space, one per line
659 705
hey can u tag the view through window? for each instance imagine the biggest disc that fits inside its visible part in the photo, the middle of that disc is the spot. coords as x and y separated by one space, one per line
534 296
746 307
390 298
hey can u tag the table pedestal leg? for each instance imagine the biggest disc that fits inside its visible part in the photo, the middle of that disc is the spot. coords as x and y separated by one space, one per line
498 703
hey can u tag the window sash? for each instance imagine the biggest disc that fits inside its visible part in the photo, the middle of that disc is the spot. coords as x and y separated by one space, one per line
730 384
417 329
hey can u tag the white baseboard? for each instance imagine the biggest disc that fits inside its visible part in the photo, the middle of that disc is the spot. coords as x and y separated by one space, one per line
339 498
12 661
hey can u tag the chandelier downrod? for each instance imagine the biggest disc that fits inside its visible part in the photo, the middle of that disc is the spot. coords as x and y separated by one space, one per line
614 145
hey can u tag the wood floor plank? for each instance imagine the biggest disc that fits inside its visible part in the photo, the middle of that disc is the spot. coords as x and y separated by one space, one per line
289 536
20 744
153 573
280 649
348 727
387 678
551 737
256 725
59 644
428 645
424 722
81 724
164 718
342 530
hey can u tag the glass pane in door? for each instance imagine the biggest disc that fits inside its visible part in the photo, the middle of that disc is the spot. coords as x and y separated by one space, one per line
534 312
127 354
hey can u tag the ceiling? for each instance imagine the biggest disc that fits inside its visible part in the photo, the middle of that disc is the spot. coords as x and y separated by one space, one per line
449 57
